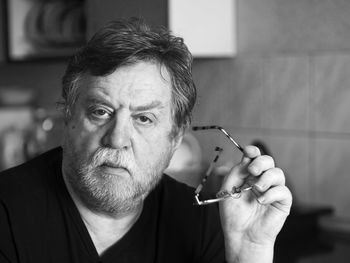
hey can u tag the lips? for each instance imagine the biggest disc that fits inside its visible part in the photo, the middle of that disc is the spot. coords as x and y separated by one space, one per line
114 169
112 164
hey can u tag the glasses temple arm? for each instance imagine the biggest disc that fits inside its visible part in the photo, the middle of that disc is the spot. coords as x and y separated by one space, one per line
208 172
196 128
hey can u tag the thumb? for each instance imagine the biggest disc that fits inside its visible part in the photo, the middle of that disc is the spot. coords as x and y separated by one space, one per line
223 170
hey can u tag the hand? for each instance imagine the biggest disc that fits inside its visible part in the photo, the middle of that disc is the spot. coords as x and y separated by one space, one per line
254 219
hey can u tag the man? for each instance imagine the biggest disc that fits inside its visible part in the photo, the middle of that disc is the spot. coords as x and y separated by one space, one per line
128 96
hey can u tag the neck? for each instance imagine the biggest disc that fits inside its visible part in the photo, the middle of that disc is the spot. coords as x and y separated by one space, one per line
105 230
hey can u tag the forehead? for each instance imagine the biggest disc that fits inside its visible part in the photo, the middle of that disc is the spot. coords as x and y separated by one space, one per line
133 84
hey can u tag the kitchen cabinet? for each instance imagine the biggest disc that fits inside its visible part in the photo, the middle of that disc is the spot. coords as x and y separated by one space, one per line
41 29
207 24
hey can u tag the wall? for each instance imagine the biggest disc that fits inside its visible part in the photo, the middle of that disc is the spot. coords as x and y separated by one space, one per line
288 86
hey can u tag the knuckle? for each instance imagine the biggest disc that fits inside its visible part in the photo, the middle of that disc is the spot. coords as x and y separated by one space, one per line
252 151
289 193
280 175
275 174
256 150
266 159
278 172
269 159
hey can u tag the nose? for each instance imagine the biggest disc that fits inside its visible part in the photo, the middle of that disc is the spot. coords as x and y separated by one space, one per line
117 134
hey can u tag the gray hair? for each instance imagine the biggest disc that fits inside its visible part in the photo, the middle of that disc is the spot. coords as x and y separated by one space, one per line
126 42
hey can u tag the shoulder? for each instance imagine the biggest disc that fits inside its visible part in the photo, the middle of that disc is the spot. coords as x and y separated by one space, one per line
190 225
181 193
172 186
178 198
29 177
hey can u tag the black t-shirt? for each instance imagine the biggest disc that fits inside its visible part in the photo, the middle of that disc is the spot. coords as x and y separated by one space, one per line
39 222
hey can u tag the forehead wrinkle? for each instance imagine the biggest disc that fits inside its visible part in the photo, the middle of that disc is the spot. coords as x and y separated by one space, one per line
128 89
97 96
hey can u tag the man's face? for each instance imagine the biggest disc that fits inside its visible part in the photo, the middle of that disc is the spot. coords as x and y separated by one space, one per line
118 140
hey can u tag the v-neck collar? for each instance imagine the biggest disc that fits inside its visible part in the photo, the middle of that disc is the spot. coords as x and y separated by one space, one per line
136 230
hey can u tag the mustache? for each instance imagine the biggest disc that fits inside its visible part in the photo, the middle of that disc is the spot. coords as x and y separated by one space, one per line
110 157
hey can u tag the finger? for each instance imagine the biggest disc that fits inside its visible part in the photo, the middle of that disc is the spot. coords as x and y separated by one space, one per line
234 178
278 196
270 178
238 173
261 164
250 152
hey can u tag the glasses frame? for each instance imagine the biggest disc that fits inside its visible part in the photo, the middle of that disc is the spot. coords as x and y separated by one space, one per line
223 194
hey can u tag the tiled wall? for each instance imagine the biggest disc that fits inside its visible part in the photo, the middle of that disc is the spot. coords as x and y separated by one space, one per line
293 26
290 87
298 105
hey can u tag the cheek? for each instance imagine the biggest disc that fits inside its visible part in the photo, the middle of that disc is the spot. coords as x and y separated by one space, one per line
152 149
81 136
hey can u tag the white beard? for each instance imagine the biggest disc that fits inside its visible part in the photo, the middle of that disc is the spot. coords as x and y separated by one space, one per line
105 193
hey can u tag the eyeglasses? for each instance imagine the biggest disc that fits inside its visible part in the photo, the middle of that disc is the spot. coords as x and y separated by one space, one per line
223 194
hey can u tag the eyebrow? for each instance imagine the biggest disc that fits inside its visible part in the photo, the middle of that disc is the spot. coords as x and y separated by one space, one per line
152 105
94 100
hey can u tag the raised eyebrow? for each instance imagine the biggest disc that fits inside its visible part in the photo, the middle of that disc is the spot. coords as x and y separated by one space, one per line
152 105
94 100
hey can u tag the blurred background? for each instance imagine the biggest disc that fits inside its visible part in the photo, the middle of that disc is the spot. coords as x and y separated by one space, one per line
275 73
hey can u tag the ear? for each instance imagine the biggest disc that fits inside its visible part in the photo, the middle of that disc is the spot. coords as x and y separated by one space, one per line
178 139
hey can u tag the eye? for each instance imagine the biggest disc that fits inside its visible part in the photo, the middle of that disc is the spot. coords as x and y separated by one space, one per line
144 119
100 113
